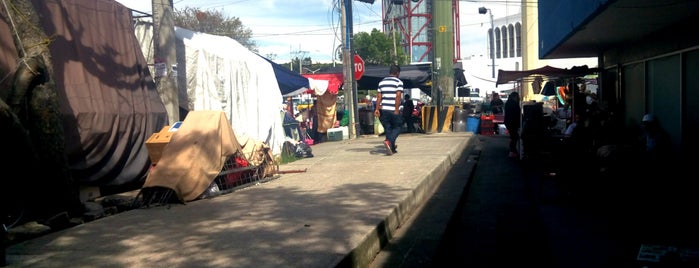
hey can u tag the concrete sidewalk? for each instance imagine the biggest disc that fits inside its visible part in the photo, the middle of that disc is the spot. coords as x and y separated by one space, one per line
340 212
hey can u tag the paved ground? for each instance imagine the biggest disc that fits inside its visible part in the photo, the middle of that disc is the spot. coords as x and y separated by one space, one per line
444 200
516 213
339 212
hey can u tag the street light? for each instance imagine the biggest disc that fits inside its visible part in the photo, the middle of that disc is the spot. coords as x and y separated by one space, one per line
483 10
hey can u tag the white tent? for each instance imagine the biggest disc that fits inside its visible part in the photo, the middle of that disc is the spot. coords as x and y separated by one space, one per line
224 75
218 73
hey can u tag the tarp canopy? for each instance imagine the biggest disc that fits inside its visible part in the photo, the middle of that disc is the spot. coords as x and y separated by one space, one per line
221 74
195 155
290 83
505 77
413 76
106 95
335 81
217 72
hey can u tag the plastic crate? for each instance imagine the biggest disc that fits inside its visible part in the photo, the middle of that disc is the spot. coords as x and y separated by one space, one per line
335 134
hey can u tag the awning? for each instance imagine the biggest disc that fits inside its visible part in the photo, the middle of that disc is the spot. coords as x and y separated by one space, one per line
290 83
505 77
335 80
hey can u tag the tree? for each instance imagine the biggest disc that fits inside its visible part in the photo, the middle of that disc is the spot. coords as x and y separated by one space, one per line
271 56
298 62
377 48
34 150
214 22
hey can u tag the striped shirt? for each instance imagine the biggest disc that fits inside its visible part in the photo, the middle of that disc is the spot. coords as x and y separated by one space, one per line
388 88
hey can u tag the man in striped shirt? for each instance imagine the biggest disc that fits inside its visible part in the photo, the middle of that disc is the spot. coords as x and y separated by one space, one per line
388 102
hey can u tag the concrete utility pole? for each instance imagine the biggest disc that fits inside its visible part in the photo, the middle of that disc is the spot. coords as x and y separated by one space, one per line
349 87
443 51
443 46
165 57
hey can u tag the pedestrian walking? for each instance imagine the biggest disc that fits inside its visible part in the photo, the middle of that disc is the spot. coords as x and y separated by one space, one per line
513 114
388 102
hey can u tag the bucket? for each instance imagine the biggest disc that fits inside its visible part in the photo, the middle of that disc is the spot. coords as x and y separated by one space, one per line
502 130
458 121
459 126
472 124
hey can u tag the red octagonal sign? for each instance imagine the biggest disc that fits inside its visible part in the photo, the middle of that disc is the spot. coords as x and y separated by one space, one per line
358 67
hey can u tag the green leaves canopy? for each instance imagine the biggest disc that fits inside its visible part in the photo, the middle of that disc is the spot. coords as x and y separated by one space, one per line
377 48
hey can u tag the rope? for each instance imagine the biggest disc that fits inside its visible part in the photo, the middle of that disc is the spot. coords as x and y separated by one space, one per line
19 41
8 74
12 22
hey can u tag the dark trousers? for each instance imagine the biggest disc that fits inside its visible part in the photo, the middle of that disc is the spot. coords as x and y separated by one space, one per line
514 139
392 125
410 122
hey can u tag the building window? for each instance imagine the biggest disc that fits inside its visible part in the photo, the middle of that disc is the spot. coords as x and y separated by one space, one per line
505 39
511 40
518 34
491 44
498 42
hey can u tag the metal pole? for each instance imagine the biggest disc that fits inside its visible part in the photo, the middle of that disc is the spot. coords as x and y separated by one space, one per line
350 87
492 47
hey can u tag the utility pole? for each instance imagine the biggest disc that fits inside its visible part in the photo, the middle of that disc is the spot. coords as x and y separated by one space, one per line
165 58
491 36
349 87
443 51
443 46
301 54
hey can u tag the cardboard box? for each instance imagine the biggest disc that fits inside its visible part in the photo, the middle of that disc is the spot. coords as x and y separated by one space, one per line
88 193
156 143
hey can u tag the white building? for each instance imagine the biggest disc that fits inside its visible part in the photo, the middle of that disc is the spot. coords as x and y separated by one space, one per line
508 50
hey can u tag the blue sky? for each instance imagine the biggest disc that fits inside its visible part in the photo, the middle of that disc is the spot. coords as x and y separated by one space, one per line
311 28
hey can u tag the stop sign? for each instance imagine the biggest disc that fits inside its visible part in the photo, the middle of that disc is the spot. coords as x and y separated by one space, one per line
358 67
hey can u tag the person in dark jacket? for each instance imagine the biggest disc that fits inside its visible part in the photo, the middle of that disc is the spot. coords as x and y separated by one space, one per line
513 114
496 103
408 108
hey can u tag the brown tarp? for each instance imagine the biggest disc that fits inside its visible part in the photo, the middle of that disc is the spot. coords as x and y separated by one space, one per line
195 155
326 109
505 77
107 97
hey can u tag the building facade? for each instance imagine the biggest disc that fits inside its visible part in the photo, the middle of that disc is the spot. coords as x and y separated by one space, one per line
649 60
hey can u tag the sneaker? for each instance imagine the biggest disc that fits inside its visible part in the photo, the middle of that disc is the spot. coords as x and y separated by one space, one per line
395 148
389 151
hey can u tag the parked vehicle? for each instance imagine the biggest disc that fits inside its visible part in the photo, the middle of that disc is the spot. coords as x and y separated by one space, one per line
475 97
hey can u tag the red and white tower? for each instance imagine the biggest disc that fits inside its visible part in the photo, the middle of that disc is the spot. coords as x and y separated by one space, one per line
412 21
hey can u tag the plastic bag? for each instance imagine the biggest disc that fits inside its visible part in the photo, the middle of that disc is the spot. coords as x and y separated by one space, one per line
307 138
303 150
345 118
378 127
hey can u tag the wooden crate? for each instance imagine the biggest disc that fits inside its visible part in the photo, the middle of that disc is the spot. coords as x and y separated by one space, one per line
487 127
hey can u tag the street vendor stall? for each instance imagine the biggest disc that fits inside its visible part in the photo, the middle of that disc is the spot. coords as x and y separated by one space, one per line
542 105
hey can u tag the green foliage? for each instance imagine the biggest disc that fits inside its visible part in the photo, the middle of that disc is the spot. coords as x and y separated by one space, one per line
214 22
288 154
377 48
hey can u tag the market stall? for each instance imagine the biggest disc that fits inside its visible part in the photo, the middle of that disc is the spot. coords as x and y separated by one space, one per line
550 105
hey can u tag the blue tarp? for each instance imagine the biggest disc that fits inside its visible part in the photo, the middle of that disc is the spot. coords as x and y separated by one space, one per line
290 83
